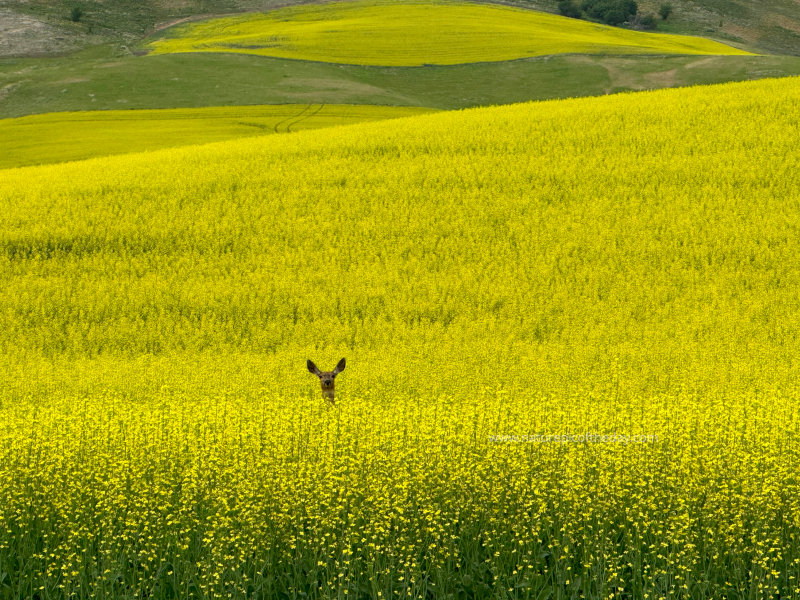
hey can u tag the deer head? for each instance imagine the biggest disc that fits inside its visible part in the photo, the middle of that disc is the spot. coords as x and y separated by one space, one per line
327 378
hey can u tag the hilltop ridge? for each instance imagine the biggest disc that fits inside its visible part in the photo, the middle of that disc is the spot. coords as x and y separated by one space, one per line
770 25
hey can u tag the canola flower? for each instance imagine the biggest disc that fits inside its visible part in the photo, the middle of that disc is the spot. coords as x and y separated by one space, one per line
617 266
420 32
50 137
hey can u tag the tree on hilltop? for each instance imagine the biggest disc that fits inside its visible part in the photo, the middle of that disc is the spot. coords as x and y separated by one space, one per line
611 12
568 8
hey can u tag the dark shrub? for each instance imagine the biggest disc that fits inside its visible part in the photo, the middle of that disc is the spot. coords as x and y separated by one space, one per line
611 12
648 22
568 8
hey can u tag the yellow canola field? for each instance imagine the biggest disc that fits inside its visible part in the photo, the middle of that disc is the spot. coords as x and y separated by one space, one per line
67 136
619 272
369 32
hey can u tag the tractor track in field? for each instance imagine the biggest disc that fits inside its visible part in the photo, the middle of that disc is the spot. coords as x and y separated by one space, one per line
281 122
297 118
303 118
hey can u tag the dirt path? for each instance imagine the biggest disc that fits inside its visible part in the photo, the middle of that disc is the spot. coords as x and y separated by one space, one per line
164 25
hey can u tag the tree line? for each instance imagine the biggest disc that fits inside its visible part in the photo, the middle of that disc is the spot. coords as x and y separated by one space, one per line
613 12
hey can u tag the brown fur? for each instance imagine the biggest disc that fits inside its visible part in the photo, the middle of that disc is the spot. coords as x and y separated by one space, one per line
327 379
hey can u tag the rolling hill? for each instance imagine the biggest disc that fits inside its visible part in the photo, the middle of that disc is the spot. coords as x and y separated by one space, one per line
112 76
420 54
571 326
68 136
416 33
43 26
504 282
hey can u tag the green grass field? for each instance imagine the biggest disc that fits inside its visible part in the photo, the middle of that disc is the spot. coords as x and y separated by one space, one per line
614 266
102 78
367 32
205 79
67 136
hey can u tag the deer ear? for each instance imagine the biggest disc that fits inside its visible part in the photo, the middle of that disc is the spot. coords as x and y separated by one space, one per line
312 367
339 367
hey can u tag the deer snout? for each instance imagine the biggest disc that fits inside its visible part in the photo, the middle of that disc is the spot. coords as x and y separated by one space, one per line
327 382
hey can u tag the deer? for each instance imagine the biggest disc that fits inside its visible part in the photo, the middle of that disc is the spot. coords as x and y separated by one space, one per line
326 379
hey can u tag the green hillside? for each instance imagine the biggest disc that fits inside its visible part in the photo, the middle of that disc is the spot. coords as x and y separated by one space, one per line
94 80
768 25
111 74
